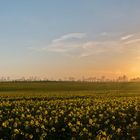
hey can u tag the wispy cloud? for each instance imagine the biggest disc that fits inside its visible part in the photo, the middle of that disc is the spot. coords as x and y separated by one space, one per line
67 43
82 48
104 34
78 45
132 41
70 36
127 37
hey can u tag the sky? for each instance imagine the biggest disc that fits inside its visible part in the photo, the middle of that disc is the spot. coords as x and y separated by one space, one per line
58 39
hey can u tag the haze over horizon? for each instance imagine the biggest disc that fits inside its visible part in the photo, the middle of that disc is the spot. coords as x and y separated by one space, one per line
69 38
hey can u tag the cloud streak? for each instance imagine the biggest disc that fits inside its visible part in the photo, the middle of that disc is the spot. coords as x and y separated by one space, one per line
132 41
70 36
77 45
127 37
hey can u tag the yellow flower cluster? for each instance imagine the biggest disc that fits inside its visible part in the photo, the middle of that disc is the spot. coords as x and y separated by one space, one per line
82 117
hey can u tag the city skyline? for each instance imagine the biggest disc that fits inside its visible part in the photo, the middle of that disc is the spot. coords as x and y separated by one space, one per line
57 39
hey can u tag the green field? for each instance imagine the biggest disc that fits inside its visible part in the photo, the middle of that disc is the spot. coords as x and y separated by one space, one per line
61 87
69 110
